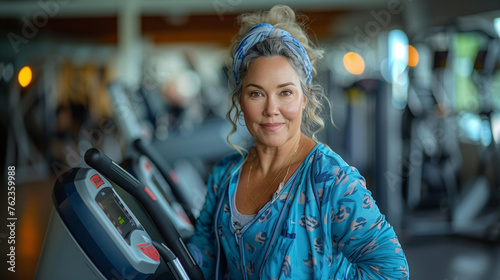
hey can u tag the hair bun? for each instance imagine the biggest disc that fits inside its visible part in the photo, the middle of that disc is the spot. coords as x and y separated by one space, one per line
281 14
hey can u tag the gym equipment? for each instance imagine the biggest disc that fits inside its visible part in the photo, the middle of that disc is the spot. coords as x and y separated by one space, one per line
172 261
441 196
152 201
432 152
30 125
148 174
190 200
470 214
144 163
95 235
92 233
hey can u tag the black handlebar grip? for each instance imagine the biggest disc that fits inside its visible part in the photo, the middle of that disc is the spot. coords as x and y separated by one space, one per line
103 164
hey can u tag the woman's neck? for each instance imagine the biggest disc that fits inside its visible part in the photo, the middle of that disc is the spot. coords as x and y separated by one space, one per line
268 160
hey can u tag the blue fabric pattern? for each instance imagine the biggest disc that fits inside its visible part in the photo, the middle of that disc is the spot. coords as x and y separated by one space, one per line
324 225
264 30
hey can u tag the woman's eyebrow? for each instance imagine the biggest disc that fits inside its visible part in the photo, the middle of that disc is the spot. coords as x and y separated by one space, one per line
254 85
279 86
286 84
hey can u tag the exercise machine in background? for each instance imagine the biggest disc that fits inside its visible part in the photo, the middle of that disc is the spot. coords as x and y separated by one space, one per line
183 203
451 150
30 121
476 210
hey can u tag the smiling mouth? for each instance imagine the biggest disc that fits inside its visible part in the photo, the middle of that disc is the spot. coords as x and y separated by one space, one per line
272 126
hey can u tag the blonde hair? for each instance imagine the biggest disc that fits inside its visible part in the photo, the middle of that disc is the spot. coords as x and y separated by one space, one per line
282 17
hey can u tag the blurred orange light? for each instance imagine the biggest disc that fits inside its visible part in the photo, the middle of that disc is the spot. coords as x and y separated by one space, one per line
354 63
25 75
412 56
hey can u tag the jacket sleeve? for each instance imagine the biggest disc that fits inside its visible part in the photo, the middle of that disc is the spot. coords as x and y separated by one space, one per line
202 243
363 242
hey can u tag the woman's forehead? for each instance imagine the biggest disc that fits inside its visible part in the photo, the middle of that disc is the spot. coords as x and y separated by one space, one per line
275 70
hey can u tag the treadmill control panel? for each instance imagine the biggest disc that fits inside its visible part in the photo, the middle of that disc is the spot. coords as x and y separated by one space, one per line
105 226
118 215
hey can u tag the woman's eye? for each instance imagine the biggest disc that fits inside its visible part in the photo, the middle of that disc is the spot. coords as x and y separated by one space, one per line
286 93
255 94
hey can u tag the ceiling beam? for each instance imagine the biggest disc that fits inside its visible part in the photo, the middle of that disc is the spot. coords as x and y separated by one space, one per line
89 8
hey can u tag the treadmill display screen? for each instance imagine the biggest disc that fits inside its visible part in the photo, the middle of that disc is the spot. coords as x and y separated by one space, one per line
114 210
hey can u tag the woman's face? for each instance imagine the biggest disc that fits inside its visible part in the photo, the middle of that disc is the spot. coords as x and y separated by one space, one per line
272 101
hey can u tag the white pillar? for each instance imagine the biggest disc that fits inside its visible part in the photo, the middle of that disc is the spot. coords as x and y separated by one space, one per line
129 59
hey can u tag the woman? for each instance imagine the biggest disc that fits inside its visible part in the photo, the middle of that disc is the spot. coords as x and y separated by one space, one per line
289 207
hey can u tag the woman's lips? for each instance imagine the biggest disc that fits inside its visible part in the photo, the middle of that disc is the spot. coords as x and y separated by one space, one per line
272 126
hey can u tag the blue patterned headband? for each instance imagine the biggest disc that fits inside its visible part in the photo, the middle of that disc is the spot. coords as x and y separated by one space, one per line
261 31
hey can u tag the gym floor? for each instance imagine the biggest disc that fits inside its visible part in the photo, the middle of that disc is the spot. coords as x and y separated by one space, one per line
452 258
440 258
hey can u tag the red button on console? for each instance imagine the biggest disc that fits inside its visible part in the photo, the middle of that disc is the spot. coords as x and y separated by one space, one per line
149 250
96 180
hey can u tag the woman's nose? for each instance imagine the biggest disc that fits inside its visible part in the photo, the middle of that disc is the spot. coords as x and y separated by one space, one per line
272 107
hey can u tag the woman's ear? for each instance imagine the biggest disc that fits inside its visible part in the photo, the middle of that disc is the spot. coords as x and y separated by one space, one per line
304 103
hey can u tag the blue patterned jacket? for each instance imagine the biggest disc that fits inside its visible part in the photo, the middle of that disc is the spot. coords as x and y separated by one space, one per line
324 225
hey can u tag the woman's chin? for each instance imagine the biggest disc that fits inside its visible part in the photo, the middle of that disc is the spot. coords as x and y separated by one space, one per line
272 141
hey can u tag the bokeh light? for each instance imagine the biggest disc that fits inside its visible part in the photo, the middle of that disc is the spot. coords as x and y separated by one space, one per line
354 63
25 75
412 56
